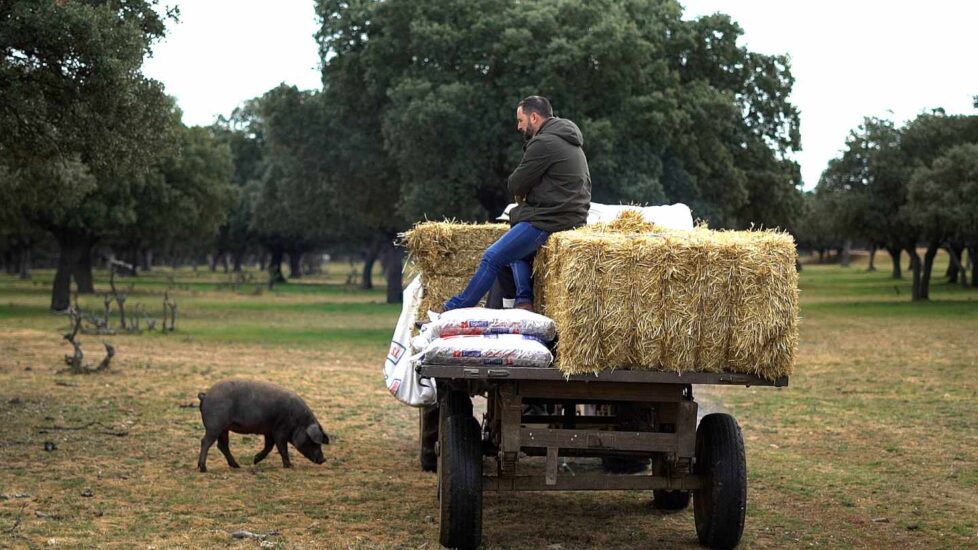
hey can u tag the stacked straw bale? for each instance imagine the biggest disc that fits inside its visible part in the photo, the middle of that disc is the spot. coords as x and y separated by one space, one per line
628 294
447 254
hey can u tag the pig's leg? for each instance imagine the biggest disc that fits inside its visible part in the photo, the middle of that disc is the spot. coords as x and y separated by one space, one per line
205 444
222 444
269 443
283 449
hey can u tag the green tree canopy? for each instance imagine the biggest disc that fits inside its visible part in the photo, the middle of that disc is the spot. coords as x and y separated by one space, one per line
897 187
82 126
423 95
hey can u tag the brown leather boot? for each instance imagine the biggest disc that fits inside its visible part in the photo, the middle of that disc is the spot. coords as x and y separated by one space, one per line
525 307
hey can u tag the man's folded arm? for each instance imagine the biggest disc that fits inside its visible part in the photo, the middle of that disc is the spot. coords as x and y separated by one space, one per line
531 169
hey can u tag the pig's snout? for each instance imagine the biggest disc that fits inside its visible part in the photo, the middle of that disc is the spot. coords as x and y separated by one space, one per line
320 460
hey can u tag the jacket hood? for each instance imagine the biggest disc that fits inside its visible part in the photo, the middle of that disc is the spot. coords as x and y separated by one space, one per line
564 129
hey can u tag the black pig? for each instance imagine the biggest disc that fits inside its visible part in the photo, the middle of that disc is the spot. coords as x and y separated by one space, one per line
247 407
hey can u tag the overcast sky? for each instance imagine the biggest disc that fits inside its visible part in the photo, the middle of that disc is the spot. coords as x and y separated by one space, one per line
850 58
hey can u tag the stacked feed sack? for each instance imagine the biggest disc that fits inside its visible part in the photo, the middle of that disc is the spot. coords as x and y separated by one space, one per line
447 254
628 294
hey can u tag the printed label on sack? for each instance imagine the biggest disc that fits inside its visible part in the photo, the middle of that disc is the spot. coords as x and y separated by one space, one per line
396 351
499 361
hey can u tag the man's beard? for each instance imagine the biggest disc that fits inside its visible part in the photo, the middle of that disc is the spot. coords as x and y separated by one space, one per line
528 133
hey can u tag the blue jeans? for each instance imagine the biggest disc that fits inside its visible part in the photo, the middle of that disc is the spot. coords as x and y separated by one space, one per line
514 249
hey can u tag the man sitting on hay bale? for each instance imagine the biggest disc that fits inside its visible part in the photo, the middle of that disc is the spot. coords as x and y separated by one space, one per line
552 188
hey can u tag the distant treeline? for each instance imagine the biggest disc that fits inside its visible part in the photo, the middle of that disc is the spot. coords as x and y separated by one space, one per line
415 119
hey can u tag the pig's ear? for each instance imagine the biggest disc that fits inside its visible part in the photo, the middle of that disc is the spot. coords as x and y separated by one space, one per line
315 434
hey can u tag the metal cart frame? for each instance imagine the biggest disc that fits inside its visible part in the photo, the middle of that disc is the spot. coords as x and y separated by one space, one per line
533 412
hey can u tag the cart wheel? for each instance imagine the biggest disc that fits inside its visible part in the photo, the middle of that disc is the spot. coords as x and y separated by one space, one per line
670 500
663 499
428 435
632 417
454 403
624 464
719 507
460 487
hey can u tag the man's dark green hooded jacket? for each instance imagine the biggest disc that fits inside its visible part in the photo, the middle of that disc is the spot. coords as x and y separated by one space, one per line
552 184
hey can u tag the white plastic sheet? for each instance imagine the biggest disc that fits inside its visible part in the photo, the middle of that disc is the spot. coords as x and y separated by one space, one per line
402 380
670 216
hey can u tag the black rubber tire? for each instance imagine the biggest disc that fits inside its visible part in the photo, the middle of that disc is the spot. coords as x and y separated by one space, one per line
428 436
721 505
670 500
460 487
667 500
455 402
632 417
623 464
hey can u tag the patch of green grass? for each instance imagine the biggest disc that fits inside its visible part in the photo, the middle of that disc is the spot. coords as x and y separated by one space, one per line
878 422
284 336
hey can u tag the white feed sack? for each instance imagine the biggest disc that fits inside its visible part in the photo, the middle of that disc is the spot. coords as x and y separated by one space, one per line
488 350
477 321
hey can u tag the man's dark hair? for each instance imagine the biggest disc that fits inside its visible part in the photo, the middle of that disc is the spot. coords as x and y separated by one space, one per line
537 104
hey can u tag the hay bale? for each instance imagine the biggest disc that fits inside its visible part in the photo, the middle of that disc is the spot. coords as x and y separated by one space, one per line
447 254
583 284
764 319
628 294
449 248
437 291
631 295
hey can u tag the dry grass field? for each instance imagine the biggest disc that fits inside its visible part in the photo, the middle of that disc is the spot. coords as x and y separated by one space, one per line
873 444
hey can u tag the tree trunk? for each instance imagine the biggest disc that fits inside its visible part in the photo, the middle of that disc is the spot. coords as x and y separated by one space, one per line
131 257
954 267
212 261
972 249
83 268
915 268
395 258
295 260
146 260
277 251
951 273
25 263
9 262
932 249
895 256
262 260
224 261
236 259
872 258
70 249
821 255
369 257
844 253
956 270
